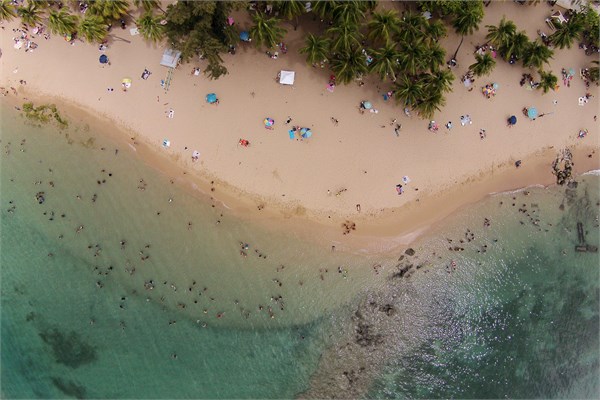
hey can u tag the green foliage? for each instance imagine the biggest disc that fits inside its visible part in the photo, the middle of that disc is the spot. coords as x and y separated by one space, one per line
384 62
467 17
315 48
148 5
536 55
266 31
484 64
408 91
344 38
547 81
150 27
7 10
109 10
200 28
30 15
61 22
383 26
44 114
349 65
567 33
92 28
516 45
591 26
290 10
501 35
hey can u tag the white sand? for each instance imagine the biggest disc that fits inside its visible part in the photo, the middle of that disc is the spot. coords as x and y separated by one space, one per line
362 154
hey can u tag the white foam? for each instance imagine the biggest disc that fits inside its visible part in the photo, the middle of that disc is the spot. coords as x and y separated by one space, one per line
592 172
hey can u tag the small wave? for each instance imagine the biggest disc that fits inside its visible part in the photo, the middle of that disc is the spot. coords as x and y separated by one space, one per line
595 172
538 186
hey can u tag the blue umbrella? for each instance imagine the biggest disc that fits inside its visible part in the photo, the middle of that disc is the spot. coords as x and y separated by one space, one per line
305 133
512 120
103 59
245 36
495 86
211 98
532 112
367 105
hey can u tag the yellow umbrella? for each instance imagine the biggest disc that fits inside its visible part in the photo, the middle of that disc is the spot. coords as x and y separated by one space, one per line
126 82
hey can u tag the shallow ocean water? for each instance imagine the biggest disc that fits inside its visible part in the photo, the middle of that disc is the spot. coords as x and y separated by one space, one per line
79 318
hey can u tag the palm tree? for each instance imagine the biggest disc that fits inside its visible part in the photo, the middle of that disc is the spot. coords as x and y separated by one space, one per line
349 65
594 72
30 15
430 104
290 10
515 46
385 62
383 26
500 35
148 5
315 48
440 81
61 22
410 29
484 64
266 31
344 37
412 57
93 29
536 55
324 8
468 17
434 31
150 27
109 9
408 91
435 56
7 10
348 13
547 81
567 33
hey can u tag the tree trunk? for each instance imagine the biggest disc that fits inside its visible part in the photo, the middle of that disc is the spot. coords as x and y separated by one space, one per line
458 48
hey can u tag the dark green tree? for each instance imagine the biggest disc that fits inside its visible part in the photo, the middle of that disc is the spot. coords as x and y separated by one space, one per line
150 27
501 35
383 26
349 65
290 10
316 49
516 46
30 14
547 81
536 55
408 91
385 62
467 17
266 31
60 22
484 64
92 28
567 33
7 10
344 38
110 10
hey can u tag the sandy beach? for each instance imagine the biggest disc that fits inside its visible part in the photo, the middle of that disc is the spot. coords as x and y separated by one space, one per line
345 171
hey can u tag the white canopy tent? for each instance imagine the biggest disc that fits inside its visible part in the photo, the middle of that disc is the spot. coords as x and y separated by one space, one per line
170 58
287 77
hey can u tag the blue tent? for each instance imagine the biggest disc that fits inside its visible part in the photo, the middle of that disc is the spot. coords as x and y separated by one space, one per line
245 36
211 98
103 59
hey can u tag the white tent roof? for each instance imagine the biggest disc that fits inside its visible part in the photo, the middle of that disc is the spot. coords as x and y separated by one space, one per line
170 58
287 77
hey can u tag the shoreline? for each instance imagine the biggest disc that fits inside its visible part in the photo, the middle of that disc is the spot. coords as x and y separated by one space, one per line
381 232
285 183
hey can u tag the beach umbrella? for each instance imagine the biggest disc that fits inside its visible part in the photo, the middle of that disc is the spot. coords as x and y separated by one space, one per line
532 112
103 59
269 122
305 133
245 36
211 98
495 86
126 82
367 105
571 72
512 120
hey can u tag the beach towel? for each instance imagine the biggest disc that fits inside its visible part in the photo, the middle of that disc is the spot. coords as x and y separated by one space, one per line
292 134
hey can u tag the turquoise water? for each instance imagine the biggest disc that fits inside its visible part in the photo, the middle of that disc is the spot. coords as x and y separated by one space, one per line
176 311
